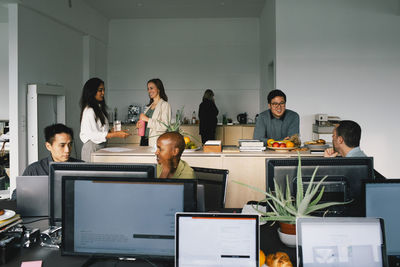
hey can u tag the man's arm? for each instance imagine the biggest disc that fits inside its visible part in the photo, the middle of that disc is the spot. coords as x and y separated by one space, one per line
294 125
260 131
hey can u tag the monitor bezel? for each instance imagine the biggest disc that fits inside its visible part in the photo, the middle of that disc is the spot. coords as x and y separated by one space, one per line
150 169
216 215
301 221
353 208
189 185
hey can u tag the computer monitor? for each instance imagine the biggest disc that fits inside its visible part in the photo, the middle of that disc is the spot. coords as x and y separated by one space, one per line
381 199
60 169
121 217
212 187
342 184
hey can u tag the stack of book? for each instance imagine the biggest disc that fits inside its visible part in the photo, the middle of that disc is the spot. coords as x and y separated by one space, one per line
10 219
250 145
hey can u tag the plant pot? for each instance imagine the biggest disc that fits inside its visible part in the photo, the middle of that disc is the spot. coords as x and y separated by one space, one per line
288 228
287 234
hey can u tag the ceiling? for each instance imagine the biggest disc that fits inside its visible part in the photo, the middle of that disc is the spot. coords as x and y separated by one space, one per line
135 9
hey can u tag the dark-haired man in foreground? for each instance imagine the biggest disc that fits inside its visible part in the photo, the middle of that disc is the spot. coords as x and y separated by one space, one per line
170 147
276 122
59 140
346 140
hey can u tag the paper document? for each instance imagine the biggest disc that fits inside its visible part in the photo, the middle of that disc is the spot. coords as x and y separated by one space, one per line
117 149
213 143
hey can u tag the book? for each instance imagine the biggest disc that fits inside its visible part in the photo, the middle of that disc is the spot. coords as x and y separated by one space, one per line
213 143
251 149
251 144
5 228
10 220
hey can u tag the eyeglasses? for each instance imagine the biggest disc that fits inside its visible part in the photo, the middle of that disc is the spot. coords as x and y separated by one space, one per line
275 105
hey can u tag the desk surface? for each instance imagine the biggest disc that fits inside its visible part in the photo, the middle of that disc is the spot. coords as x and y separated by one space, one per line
269 243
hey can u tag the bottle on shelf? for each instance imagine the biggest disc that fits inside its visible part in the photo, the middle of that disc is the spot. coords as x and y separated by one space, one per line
194 117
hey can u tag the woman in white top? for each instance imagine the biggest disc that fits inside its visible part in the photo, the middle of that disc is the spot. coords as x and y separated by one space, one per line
94 119
157 112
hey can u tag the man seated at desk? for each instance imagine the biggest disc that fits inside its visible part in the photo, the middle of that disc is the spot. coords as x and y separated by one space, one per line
170 147
346 140
277 122
59 142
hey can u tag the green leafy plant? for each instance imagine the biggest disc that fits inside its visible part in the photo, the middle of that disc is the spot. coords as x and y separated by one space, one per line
176 126
284 207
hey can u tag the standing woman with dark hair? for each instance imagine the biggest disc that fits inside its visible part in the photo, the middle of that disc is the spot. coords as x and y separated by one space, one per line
157 112
94 119
208 112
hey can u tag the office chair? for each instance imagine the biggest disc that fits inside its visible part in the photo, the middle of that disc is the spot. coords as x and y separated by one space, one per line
211 187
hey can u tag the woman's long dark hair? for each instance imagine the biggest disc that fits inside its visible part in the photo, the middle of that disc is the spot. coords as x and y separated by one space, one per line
88 100
160 87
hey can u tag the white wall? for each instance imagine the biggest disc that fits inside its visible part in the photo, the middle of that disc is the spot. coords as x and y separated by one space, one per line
189 56
4 71
343 58
45 50
267 51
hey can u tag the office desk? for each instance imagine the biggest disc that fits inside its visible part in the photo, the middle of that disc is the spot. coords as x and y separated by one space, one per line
269 243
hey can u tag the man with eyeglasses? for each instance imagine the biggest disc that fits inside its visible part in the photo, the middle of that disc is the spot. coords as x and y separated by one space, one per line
277 122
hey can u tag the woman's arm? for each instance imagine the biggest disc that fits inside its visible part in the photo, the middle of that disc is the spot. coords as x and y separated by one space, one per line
90 130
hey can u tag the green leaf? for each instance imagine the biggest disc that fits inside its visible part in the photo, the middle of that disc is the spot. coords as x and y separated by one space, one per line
299 184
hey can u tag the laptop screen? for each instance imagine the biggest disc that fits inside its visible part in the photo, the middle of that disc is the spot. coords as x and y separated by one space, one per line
377 197
340 242
211 239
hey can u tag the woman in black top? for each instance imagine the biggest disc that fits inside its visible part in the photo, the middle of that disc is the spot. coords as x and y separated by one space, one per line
208 112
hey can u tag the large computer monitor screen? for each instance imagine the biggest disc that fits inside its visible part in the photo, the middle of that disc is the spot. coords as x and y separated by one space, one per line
344 180
381 200
123 217
60 169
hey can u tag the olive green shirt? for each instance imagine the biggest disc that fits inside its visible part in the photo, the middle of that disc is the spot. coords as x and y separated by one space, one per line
183 171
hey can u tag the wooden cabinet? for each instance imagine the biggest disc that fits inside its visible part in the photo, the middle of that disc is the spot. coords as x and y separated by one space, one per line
228 134
233 133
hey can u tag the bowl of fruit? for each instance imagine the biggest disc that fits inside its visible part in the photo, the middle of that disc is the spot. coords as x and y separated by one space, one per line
190 145
280 145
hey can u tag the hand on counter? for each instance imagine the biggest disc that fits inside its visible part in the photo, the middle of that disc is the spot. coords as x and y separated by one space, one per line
330 153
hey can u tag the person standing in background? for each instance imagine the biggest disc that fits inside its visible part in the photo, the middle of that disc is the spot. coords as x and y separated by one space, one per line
95 128
208 112
157 112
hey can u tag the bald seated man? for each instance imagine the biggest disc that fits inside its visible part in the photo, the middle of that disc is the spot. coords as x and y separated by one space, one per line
170 147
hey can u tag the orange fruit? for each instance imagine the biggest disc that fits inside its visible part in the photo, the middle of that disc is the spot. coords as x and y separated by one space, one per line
262 258
270 142
187 139
289 144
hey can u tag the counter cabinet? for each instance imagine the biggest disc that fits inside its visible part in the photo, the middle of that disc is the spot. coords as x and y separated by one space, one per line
246 167
228 134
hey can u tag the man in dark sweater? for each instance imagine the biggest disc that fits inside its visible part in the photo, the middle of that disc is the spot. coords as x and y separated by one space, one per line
59 140
277 122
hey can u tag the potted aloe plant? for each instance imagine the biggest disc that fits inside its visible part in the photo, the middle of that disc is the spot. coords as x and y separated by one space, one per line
176 127
285 208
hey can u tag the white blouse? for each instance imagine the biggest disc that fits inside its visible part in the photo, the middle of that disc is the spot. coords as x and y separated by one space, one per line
91 129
